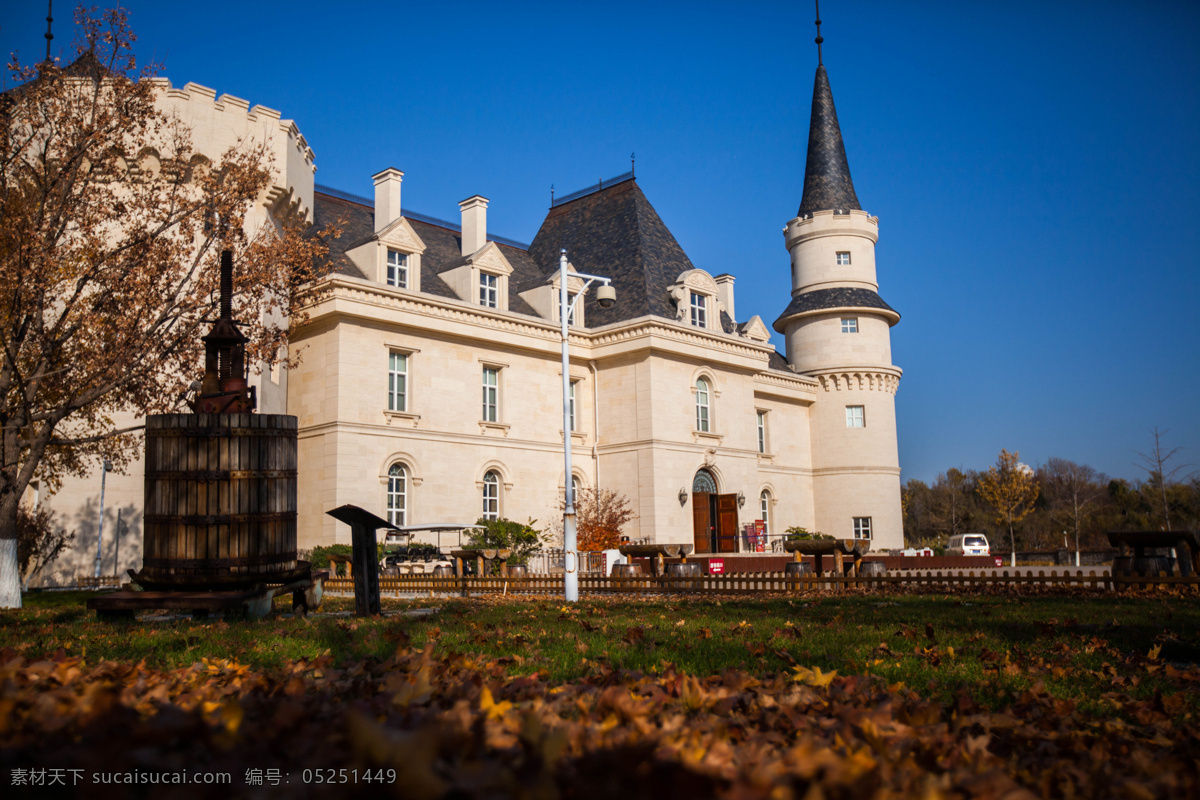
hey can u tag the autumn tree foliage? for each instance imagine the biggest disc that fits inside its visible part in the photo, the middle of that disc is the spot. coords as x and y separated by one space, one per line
1011 489
108 263
600 514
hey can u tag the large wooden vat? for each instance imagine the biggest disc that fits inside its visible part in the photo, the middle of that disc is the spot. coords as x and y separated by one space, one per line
220 501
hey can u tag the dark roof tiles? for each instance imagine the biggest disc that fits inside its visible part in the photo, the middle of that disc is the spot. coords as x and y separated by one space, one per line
827 184
829 299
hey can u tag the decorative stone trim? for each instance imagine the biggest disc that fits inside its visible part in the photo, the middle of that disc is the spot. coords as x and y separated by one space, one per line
860 380
494 428
402 417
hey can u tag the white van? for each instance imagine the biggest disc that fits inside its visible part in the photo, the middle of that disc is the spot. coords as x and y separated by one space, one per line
968 544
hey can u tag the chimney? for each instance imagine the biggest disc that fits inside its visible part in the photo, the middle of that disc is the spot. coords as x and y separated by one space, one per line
387 197
474 224
725 293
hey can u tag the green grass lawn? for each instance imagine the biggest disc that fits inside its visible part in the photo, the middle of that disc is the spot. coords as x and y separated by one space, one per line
1078 646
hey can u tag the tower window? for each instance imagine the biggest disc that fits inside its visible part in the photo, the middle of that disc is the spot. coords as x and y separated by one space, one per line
843 259
762 431
397 382
699 311
854 417
491 394
397 269
862 527
849 324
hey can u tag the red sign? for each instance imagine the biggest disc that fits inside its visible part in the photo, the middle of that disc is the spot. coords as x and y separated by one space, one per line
999 561
760 536
716 566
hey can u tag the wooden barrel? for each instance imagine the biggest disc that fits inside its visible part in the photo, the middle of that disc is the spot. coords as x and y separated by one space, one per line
1144 566
685 570
869 569
797 568
443 571
220 501
627 571
517 571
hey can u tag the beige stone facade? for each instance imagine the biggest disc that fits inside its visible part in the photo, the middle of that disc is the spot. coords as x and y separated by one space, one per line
429 388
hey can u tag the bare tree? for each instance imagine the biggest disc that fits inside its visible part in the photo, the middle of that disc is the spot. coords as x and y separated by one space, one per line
1072 488
1155 463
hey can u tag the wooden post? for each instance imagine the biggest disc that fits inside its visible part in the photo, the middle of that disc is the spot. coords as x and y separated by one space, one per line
363 525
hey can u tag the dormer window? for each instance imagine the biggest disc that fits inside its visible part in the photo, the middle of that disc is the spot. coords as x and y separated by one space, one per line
488 296
699 307
397 269
571 310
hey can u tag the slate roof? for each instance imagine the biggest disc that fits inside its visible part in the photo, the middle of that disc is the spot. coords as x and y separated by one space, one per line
827 184
841 297
615 232
443 248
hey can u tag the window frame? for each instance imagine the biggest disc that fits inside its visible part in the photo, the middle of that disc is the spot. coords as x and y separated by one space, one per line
764 508
489 290
762 430
571 404
856 416
490 410
396 514
491 495
396 274
703 405
397 400
861 525
698 303
849 324
843 262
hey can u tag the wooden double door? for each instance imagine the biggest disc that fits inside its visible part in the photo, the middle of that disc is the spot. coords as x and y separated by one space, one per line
714 522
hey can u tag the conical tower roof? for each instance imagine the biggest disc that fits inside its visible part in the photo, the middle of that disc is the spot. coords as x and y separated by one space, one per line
827 184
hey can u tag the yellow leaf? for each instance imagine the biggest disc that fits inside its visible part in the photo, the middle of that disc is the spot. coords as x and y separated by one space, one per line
1154 651
488 704
814 676
232 715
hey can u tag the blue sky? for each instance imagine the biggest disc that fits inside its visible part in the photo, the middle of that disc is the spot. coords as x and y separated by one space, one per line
1034 167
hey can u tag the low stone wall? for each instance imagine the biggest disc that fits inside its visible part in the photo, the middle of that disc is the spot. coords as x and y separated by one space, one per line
738 563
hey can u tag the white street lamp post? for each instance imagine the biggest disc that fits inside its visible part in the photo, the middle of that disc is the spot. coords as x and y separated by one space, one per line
606 296
100 527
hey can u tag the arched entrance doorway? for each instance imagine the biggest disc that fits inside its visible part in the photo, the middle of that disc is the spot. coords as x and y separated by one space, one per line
714 516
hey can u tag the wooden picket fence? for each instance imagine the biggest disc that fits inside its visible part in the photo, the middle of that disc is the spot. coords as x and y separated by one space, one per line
754 583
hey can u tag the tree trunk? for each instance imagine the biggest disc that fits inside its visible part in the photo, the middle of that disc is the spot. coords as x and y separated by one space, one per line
10 572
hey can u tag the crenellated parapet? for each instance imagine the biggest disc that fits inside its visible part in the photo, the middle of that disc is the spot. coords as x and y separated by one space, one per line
220 123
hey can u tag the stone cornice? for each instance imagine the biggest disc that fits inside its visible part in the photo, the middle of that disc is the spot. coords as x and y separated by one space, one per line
375 295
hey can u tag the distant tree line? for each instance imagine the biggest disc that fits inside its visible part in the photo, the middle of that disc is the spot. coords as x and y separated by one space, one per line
1071 498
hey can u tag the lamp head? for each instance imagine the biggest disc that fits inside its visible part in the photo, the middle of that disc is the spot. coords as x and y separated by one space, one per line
606 295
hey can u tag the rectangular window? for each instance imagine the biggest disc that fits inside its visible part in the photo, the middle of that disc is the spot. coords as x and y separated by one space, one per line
849 324
862 527
854 417
491 394
571 308
762 431
397 269
487 290
571 402
398 382
843 259
699 311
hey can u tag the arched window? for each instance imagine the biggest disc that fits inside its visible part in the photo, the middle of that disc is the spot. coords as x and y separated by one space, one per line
704 482
764 510
702 405
397 494
574 490
491 495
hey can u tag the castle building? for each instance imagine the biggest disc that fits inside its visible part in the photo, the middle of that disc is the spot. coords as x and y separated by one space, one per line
430 384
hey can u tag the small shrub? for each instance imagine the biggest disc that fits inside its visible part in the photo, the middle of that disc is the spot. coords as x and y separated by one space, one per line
798 534
522 539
